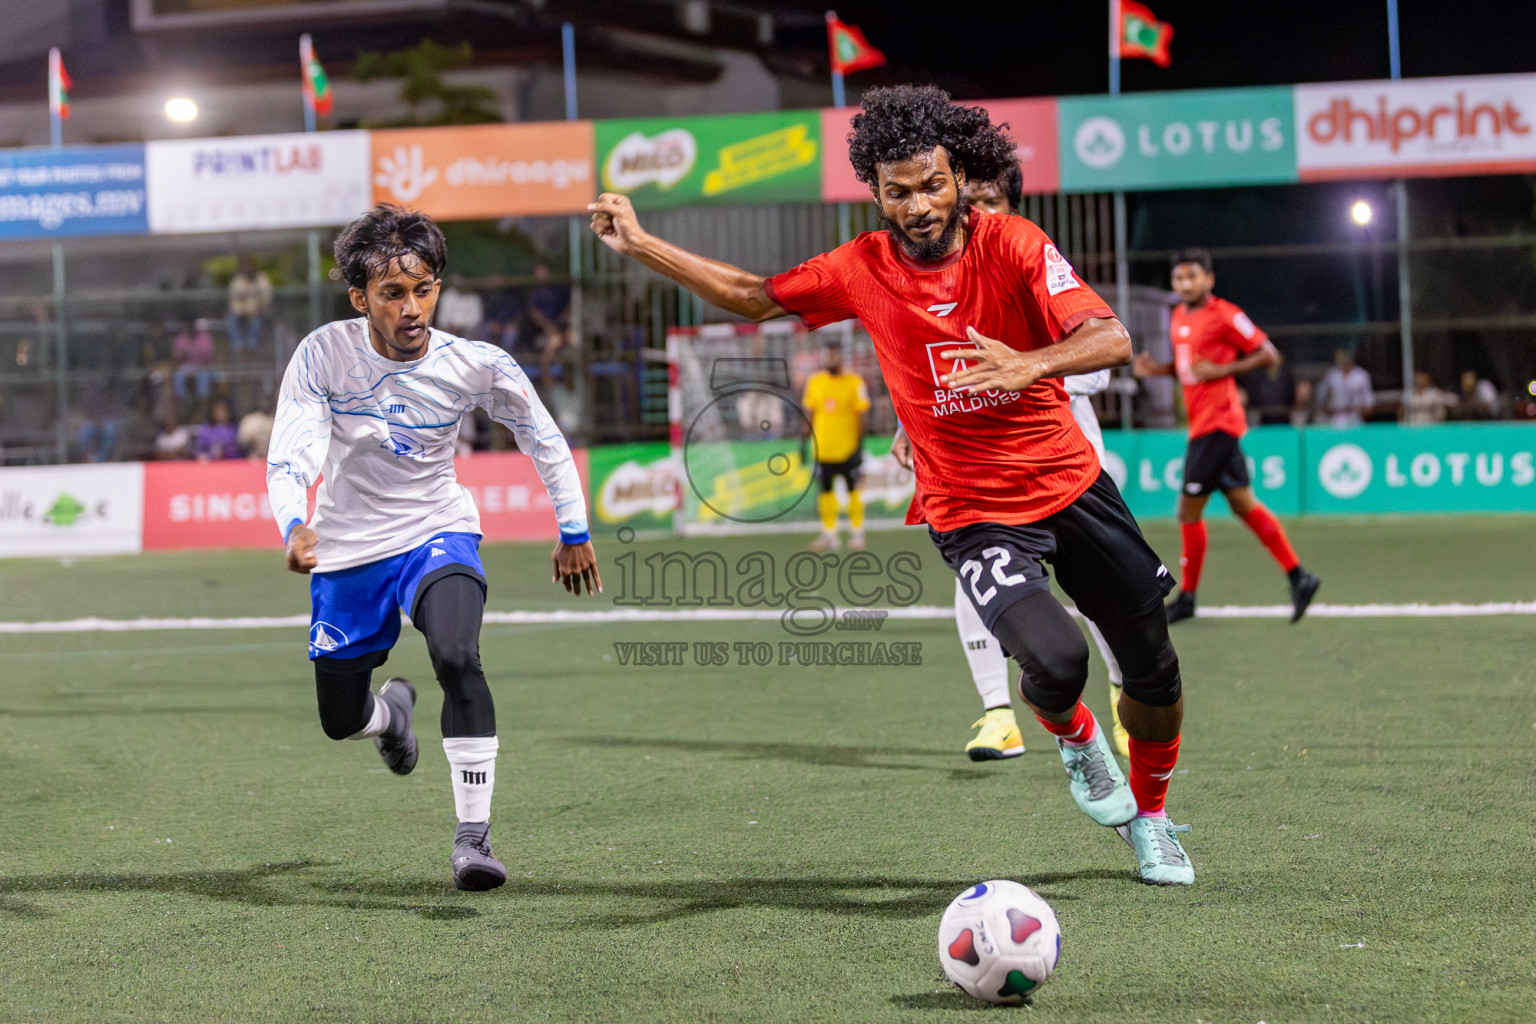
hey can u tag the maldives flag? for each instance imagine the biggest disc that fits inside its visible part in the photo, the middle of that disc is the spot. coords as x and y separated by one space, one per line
848 48
317 87
58 85
1142 35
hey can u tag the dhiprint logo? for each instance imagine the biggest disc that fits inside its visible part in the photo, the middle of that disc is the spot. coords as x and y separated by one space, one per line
943 308
325 637
1099 142
1345 470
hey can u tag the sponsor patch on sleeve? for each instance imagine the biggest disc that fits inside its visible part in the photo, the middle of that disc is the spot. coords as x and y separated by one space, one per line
1058 272
1243 324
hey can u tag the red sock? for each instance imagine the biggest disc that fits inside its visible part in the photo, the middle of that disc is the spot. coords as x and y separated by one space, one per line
1079 731
1267 528
1151 768
1193 556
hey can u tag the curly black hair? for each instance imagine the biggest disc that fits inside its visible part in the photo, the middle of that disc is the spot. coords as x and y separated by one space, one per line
901 121
366 247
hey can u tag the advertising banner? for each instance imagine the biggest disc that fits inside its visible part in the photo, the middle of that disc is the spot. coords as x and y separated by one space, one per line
310 179
1177 139
482 171
1031 124
757 484
1454 467
56 511
224 504
96 190
732 159
1419 127
634 485
1148 467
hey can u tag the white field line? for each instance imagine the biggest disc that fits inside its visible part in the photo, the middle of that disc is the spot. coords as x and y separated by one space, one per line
617 615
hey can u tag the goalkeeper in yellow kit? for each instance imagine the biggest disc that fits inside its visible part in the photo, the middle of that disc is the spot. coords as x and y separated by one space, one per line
836 403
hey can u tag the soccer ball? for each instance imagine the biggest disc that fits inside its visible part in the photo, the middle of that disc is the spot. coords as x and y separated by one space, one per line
999 941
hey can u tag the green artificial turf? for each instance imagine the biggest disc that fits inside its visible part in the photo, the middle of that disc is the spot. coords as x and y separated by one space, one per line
179 842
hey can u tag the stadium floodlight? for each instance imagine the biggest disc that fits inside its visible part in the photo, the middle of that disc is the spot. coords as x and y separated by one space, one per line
1361 212
180 108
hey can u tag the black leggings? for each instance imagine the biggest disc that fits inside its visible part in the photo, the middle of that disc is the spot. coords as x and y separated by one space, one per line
448 614
1051 650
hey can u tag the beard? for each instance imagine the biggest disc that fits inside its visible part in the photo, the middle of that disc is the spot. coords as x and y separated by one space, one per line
936 248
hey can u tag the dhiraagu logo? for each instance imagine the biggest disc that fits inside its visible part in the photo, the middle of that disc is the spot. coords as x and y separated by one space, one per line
1345 470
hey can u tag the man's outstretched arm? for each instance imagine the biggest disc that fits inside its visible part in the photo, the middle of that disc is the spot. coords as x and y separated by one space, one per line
720 284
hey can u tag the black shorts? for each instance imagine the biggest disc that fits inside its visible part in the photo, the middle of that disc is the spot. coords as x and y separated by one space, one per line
848 469
1214 462
1101 559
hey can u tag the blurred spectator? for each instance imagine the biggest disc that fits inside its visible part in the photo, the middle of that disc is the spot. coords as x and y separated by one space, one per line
97 433
1345 394
1426 404
255 434
549 307
459 309
193 353
1301 408
1480 400
137 438
250 300
1271 393
175 439
217 437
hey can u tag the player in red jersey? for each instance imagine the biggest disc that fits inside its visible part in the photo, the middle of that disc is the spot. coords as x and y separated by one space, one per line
975 320
1213 343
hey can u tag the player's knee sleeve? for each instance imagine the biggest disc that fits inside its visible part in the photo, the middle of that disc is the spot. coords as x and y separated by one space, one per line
448 615
1147 658
341 690
1049 648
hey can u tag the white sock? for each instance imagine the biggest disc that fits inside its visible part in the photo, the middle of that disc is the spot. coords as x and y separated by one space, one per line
378 722
472 766
1113 666
989 669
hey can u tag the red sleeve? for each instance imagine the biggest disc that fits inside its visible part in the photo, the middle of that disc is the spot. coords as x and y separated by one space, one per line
1061 295
814 290
1241 331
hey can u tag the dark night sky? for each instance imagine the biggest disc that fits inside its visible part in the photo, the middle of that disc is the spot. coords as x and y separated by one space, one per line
1029 47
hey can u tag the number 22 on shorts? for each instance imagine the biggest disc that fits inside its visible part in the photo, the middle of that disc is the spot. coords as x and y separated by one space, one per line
973 569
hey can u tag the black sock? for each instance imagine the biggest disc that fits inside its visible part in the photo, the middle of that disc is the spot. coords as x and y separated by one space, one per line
1294 575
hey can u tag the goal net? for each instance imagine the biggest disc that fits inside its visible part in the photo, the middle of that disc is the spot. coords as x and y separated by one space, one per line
740 438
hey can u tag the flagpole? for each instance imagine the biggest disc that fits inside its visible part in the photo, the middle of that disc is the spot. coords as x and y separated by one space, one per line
1404 283
1122 263
61 333
574 234
55 80
839 101
306 54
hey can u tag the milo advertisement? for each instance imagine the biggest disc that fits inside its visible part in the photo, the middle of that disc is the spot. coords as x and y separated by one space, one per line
633 485
771 157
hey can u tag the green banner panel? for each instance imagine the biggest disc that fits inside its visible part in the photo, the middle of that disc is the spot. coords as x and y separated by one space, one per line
772 157
632 485
1454 467
1177 139
1148 465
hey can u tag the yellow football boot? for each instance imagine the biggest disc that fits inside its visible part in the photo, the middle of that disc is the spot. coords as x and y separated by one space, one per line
1122 738
999 736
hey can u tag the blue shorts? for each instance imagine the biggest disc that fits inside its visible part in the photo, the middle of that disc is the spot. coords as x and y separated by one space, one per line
357 610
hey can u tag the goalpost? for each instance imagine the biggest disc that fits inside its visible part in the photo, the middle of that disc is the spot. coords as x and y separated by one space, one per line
740 439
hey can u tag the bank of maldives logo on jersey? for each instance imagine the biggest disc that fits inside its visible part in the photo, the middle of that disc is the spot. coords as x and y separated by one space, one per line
942 366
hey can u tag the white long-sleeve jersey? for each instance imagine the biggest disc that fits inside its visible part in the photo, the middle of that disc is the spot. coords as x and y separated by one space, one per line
381 434
1079 386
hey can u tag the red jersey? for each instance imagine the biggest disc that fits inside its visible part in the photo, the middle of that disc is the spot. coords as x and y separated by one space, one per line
995 457
1217 332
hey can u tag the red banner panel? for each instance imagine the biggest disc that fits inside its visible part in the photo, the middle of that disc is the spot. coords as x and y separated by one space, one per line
224 504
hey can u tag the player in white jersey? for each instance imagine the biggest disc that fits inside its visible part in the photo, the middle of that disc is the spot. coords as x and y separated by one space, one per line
372 407
998 734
